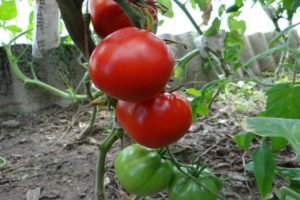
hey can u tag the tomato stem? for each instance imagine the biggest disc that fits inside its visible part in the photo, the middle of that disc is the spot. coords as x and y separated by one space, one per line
104 147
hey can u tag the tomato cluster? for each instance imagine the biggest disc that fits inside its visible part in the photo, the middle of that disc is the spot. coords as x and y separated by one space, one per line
134 66
143 171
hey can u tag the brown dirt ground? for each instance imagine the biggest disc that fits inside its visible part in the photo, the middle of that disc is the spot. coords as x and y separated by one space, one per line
43 157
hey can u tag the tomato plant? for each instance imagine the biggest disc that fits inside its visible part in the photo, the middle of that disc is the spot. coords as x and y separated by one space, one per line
131 65
107 16
183 187
157 122
142 171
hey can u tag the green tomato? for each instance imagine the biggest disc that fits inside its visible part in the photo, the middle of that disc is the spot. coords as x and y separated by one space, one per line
141 171
183 187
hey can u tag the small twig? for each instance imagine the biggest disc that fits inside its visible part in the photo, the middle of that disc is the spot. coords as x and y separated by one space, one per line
184 84
245 174
189 16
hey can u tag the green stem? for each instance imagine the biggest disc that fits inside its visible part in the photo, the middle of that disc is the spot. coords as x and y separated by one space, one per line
90 126
294 75
104 146
186 58
14 66
134 16
189 16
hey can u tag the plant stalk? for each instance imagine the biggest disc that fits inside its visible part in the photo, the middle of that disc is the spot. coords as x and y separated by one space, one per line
104 147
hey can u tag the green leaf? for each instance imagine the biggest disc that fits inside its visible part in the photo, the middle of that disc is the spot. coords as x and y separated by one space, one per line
239 3
286 193
168 5
232 53
283 101
237 25
14 28
221 10
30 25
193 91
276 127
278 143
214 28
276 39
202 4
288 173
295 4
264 169
8 10
203 109
265 54
243 140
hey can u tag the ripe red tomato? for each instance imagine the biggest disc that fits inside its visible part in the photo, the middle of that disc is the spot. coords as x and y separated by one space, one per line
157 122
131 65
107 16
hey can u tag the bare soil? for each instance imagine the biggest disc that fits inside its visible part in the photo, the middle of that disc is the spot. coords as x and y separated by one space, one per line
46 162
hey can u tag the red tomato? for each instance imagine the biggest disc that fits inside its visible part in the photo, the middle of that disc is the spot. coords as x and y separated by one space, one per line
158 122
107 16
131 64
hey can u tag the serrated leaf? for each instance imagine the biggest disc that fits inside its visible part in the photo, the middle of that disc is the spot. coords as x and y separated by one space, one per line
214 28
283 101
276 127
265 54
14 28
168 5
8 10
264 169
243 140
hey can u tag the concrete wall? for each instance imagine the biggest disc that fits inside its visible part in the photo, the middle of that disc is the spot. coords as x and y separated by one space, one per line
57 65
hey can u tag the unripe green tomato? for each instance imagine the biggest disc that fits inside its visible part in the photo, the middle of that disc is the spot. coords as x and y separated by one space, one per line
142 171
183 187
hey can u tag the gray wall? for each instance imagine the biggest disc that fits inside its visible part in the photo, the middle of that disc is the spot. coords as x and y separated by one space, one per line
57 65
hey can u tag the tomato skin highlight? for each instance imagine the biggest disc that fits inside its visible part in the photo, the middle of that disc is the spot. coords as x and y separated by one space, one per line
182 187
131 64
157 122
141 171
